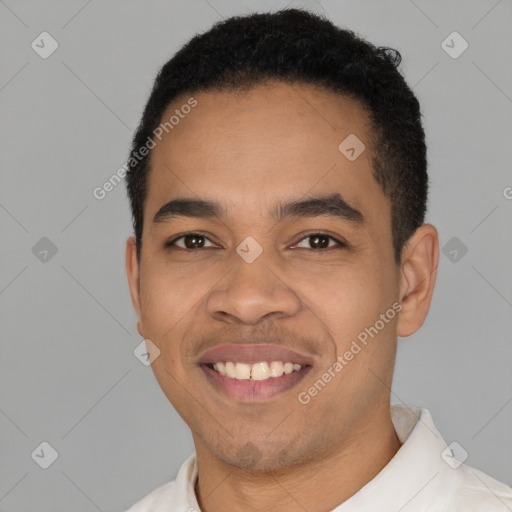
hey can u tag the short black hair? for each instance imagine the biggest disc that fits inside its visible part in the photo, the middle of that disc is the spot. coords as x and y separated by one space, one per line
297 46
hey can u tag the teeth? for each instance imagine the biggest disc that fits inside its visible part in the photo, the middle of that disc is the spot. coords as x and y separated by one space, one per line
256 371
242 371
288 368
260 371
220 367
230 369
276 369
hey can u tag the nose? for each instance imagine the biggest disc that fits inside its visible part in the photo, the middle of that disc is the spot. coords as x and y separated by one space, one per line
252 292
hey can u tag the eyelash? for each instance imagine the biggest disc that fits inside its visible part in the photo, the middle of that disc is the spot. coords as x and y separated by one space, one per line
171 243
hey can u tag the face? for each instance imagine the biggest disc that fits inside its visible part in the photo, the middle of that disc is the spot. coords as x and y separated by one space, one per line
270 246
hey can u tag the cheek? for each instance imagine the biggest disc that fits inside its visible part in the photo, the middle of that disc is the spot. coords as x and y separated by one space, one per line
172 310
344 300
169 292
348 306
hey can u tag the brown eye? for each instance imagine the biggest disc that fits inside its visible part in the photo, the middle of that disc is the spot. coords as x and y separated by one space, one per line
190 241
319 241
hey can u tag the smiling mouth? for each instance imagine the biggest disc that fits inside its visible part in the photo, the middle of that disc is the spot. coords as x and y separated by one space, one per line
256 371
256 381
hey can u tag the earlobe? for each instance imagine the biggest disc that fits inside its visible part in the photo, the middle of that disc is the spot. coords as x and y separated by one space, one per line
132 273
417 278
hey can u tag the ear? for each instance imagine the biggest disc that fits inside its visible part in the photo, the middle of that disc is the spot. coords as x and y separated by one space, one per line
418 272
132 273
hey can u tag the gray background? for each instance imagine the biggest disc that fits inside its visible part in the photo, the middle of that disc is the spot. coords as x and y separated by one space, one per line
68 374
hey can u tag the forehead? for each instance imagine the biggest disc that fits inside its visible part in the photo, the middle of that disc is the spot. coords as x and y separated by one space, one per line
253 148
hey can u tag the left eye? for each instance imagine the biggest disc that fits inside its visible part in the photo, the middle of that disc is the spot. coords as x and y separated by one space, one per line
319 241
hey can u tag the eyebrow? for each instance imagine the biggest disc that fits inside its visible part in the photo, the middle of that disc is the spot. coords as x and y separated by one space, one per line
328 205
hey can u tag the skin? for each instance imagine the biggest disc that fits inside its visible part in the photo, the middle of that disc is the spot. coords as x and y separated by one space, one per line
248 151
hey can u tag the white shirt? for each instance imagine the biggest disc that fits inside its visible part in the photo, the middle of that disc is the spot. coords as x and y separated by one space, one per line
423 476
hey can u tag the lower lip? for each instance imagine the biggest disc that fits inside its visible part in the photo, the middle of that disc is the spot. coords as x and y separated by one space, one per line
254 390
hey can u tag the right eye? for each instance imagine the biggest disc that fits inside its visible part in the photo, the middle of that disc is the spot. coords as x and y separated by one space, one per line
189 241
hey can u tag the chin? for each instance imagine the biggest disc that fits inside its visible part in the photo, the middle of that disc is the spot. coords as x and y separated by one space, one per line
252 457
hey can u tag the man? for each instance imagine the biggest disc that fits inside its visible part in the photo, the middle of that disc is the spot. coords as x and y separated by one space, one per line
278 187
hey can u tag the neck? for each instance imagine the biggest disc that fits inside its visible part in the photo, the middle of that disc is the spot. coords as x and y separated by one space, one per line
320 485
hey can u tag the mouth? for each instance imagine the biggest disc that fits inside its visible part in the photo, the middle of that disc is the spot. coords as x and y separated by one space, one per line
253 372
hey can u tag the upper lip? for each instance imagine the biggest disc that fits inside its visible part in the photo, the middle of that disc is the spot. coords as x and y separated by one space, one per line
250 354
